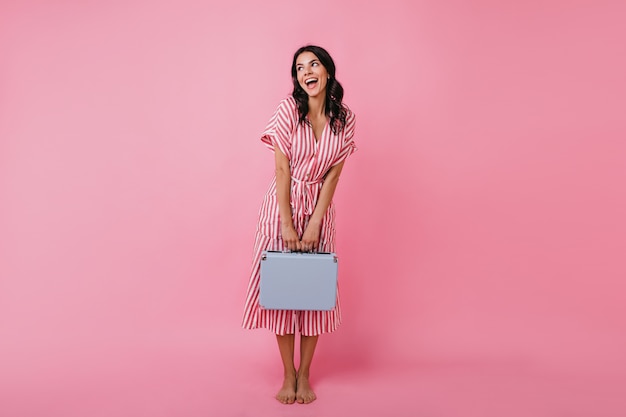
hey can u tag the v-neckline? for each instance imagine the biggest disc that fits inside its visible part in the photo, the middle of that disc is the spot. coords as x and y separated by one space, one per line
315 138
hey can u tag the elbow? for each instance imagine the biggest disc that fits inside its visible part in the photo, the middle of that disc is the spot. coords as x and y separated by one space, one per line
283 172
332 176
331 179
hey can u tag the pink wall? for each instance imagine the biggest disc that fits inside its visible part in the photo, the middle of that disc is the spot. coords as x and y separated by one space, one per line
483 215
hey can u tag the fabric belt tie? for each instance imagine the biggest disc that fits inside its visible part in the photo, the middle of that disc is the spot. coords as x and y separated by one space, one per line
303 196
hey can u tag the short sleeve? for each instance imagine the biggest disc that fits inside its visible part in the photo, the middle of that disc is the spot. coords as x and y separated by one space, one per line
348 147
279 130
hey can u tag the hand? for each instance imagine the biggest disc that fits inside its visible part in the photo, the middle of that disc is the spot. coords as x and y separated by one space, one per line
290 238
311 237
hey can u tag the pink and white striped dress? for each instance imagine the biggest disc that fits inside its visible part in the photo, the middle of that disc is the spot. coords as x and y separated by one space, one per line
309 161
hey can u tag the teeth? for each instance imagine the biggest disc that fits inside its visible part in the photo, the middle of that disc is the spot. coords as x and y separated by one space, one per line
310 80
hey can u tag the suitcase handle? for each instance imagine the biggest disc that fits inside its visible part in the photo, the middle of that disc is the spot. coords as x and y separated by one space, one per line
264 257
297 251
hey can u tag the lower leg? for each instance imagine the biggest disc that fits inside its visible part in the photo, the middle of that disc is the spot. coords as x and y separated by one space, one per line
305 394
287 394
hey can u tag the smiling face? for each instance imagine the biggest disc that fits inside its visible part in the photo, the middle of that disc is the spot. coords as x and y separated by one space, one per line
311 74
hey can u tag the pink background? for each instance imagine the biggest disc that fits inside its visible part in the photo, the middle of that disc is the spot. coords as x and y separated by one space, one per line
481 225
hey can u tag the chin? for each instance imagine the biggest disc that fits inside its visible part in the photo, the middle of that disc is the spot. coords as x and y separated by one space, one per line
315 93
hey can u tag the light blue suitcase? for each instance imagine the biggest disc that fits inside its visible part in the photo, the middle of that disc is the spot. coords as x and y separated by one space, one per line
298 280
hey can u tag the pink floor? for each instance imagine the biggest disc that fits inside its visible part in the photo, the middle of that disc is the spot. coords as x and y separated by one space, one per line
187 376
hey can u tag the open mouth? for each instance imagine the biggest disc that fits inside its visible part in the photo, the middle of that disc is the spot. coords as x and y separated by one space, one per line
310 83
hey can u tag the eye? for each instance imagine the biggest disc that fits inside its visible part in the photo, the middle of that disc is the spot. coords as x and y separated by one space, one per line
315 64
300 68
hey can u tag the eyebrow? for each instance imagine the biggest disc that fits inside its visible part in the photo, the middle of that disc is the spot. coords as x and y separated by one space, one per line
310 62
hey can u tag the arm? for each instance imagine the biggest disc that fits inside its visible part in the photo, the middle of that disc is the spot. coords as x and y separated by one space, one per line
311 237
283 194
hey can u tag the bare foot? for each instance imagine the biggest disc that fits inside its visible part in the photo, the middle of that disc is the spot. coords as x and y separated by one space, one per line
305 394
287 394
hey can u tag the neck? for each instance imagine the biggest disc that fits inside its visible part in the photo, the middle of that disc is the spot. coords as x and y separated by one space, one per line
317 106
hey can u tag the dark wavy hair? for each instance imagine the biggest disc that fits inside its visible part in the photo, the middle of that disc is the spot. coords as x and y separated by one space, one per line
334 108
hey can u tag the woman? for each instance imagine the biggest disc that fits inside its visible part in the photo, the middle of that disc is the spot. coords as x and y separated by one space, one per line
311 135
